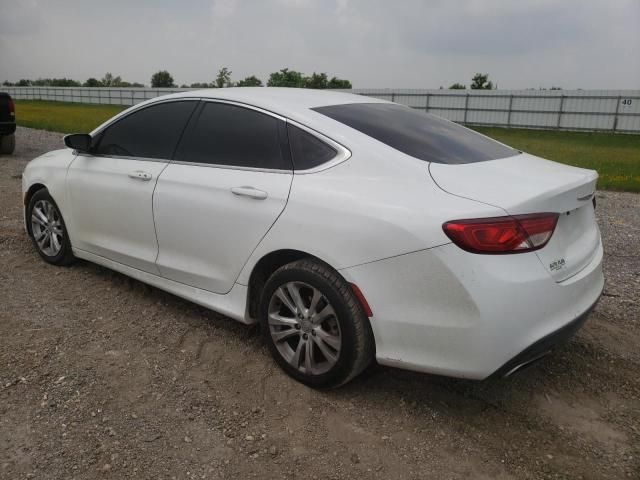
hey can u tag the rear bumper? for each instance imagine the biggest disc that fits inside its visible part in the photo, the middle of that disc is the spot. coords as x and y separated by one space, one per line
542 347
449 312
7 128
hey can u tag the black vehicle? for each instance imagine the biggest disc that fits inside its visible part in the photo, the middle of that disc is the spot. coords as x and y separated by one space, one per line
7 124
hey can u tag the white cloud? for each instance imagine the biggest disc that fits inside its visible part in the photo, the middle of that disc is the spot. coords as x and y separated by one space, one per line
223 8
374 43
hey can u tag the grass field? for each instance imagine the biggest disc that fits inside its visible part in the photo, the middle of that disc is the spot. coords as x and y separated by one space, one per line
615 157
63 117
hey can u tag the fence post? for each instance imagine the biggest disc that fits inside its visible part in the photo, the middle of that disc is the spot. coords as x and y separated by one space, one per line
509 114
393 97
615 117
560 111
426 107
466 106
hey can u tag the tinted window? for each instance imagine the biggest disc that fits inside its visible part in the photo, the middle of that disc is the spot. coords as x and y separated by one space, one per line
418 134
152 132
307 150
226 134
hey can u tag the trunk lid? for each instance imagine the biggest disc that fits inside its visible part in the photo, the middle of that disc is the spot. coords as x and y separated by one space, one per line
527 184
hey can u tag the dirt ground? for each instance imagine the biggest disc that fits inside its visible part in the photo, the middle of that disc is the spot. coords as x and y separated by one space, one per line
103 377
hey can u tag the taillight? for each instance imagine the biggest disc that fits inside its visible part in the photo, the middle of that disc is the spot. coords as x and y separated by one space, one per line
12 107
498 235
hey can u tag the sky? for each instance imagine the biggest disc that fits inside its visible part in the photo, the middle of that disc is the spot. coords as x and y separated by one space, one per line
588 44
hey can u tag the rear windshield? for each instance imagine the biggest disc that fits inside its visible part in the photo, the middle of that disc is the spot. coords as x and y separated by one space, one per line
418 134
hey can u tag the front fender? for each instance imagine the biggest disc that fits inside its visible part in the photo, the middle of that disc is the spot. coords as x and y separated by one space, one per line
50 171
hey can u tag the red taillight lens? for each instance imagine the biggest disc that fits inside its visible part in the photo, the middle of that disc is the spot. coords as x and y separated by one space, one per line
12 106
517 234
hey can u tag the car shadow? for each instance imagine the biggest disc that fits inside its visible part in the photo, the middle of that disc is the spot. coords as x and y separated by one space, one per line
392 387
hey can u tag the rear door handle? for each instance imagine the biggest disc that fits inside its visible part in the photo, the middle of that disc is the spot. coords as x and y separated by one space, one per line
140 175
250 192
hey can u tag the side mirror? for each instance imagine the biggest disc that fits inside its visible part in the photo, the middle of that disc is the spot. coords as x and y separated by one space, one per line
78 141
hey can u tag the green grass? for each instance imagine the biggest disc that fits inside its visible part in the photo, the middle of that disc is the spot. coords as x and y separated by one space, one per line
63 117
615 157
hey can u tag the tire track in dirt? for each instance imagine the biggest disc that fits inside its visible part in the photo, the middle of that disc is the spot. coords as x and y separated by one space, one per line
155 386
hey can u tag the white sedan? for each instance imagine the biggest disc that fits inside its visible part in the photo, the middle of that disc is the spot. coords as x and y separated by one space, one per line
350 228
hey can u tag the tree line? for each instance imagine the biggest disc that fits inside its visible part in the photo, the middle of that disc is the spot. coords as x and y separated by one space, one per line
164 79
480 81
107 81
282 78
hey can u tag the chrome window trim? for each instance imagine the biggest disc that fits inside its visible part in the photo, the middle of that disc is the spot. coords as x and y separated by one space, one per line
238 167
343 153
231 167
123 157
140 107
243 105
194 164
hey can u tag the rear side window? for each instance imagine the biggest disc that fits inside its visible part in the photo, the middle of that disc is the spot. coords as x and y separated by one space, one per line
152 132
226 134
418 134
307 150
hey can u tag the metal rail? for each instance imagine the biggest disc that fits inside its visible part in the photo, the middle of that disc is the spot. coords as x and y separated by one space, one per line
614 111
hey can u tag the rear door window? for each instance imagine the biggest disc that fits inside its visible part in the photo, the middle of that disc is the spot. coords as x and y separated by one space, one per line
418 134
152 132
225 134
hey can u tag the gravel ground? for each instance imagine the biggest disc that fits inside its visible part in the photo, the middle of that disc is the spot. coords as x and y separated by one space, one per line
103 377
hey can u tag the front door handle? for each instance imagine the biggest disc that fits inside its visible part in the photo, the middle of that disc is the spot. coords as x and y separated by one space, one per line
140 175
250 192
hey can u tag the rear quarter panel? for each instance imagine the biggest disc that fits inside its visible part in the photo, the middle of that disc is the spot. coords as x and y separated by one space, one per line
378 204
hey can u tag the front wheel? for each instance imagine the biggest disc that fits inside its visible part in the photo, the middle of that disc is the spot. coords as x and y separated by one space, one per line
314 325
48 230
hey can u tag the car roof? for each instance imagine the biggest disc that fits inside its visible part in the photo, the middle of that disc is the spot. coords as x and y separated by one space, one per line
290 102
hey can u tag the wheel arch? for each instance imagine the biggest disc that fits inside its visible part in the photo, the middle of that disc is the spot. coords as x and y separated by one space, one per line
263 269
271 262
32 189
27 198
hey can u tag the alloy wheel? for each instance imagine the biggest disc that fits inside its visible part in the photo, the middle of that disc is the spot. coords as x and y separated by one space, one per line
46 227
304 328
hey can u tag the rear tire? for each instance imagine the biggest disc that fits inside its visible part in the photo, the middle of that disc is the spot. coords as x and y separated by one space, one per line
7 144
48 230
314 325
